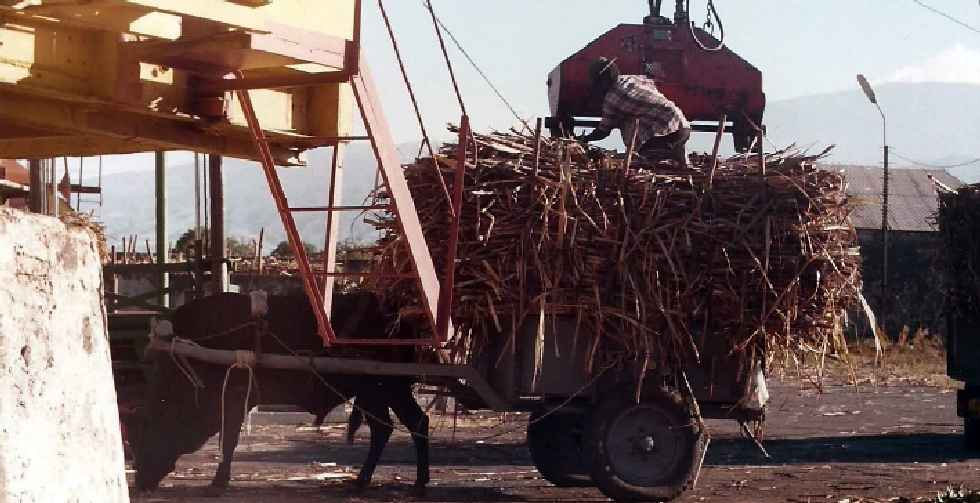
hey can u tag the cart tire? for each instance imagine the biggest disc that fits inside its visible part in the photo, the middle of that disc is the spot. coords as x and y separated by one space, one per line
651 451
971 433
556 444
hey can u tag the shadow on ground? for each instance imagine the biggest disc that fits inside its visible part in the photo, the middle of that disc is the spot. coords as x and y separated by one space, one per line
913 448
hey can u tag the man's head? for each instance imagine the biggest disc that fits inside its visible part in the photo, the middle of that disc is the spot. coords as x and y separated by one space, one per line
603 73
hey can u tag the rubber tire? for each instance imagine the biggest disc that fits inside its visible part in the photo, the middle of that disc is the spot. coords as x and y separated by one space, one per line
692 440
556 445
971 433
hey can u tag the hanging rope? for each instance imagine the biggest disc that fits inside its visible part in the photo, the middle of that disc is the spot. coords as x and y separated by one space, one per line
408 83
245 360
415 103
479 70
445 54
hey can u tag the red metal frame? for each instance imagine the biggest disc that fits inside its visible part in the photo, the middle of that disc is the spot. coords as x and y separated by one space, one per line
437 298
449 278
403 206
292 233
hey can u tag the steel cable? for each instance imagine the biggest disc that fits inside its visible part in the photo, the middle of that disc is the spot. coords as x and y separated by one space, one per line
476 67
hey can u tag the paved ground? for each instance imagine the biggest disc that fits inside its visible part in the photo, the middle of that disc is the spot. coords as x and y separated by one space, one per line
849 442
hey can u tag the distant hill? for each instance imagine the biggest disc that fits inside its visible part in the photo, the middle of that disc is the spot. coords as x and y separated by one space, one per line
928 122
932 122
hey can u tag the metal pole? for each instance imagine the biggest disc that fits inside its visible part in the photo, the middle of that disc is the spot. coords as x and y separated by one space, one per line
160 162
333 225
884 241
54 188
884 219
444 310
218 244
36 195
197 199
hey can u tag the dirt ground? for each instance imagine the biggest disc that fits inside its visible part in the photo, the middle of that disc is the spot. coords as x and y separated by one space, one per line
850 441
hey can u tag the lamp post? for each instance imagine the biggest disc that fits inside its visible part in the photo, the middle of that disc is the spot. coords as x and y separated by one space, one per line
870 93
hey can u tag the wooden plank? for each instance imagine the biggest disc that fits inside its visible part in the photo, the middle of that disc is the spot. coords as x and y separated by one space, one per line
85 64
322 49
333 17
128 19
105 121
40 147
297 79
242 51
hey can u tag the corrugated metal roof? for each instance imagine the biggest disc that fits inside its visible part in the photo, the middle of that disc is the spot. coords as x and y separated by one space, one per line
912 196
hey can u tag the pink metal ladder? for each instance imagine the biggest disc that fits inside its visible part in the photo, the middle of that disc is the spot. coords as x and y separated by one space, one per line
319 286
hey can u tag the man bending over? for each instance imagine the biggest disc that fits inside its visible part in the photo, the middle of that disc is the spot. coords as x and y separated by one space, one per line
663 128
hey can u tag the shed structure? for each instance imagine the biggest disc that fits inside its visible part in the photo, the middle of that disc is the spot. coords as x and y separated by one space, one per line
79 77
264 80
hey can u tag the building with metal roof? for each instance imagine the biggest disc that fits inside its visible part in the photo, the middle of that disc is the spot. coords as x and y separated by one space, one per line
912 196
915 298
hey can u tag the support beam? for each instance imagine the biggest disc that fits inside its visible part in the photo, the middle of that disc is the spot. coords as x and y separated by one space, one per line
102 121
68 146
390 166
36 196
53 205
209 87
333 225
218 250
237 50
163 252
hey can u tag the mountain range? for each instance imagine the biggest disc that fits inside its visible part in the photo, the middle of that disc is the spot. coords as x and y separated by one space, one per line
934 123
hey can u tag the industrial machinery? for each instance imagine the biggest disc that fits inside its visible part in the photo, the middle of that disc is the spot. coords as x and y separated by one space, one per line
695 70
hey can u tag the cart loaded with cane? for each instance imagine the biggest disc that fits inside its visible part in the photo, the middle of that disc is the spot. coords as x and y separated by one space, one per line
621 303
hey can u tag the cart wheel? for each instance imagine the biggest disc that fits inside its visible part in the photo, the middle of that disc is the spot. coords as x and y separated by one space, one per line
555 442
971 433
650 451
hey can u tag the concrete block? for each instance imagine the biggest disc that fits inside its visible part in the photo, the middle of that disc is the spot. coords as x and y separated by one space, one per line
59 424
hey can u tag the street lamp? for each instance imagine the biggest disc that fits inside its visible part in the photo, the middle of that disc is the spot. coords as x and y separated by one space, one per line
870 93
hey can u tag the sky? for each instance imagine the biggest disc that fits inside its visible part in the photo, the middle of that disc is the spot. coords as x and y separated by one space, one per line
803 47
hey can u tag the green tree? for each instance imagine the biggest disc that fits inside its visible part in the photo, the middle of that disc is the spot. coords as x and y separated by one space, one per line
236 247
239 247
283 250
186 242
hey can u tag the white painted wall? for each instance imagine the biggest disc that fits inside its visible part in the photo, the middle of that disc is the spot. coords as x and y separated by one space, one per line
59 425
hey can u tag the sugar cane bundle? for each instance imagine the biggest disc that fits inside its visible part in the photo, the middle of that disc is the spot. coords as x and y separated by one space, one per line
652 263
